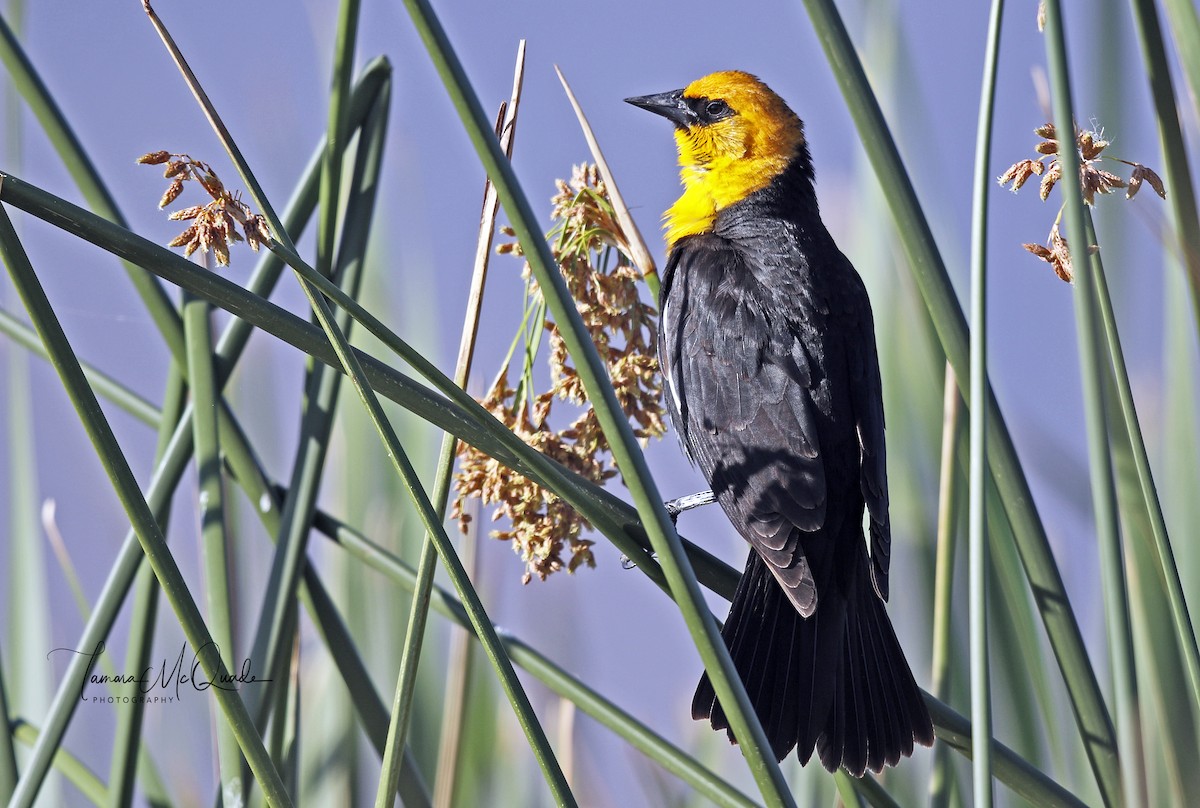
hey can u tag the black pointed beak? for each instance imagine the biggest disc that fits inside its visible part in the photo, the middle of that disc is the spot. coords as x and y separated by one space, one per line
671 106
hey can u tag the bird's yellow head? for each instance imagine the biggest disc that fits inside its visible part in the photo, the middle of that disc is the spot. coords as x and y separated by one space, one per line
734 136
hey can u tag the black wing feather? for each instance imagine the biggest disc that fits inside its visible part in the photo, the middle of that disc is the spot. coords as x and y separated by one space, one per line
867 396
756 438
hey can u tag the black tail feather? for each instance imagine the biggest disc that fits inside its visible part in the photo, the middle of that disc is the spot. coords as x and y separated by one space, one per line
836 682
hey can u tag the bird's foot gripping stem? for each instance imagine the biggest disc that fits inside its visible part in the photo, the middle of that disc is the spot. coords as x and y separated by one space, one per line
674 508
677 506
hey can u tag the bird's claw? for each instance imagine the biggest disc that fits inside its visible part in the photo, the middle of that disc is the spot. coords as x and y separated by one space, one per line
677 506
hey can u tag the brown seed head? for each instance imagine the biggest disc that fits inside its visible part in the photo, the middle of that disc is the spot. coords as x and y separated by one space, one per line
604 284
215 225
1142 174
1052 175
1090 146
172 193
1019 172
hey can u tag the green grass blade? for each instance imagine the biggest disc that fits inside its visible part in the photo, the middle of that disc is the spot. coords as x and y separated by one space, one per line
28 600
26 689
847 794
628 456
106 386
1144 511
70 766
427 565
929 272
81 169
1185 24
8 755
140 514
1141 462
348 360
453 736
1162 674
127 740
1187 221
1116 600
422 402
978 566
459 665
554 677
21 457
867 789
1010 768
372 712
169 472
336 133
1179 446
206 395
941 778
322 387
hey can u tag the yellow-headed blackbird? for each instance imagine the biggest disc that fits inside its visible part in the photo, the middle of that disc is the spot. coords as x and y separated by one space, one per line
768 348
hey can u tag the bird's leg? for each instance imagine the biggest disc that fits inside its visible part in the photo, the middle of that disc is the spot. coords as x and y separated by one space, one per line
674 508
677 506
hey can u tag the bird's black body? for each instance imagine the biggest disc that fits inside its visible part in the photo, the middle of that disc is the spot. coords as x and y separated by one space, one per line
768 348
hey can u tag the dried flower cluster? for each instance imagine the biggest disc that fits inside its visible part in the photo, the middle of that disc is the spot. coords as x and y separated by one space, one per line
214 226
1093 179
1057 255
592 254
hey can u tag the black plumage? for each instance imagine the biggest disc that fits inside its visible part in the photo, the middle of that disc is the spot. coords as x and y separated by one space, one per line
768 347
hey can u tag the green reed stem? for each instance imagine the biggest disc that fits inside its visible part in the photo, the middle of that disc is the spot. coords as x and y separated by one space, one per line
128 737
64 140
206 394
71 767
929 273
149 535
1187 220
169 472
322 387
348 360
8 755
614 518
1120 640
419 611
372 713
981 687
941 778
680 576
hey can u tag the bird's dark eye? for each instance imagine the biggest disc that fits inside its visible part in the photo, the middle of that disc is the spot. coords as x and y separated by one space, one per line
715 109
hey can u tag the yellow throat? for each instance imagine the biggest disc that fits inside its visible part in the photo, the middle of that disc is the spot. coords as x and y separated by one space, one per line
725 160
